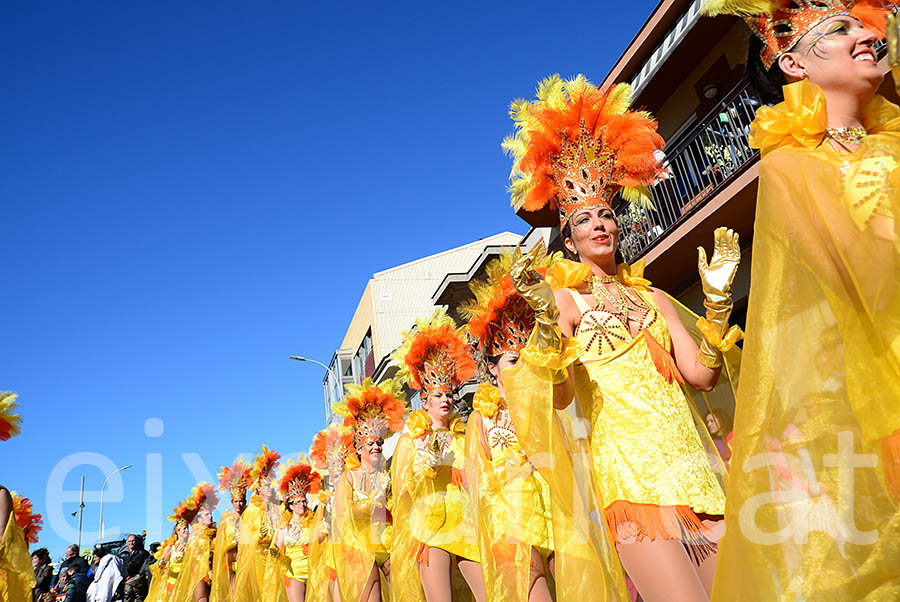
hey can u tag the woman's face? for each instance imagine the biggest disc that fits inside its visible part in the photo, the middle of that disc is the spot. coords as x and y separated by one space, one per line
370 451
837 54
438 405
205 517
594 234
506 360
182 532
298 506
712 424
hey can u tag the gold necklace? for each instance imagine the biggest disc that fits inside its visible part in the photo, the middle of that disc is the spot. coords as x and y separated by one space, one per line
847 135
620 304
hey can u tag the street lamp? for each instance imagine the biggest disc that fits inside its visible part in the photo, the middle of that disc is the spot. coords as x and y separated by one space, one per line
103 489
337 381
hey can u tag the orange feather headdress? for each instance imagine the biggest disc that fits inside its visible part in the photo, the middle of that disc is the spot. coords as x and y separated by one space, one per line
330 449
781 23
235 479
26 517
9 421
499 318
372 411
434 358
576 146
265 462
204 496
183 514
299 479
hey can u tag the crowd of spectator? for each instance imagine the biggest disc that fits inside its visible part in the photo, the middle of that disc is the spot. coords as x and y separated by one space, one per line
110 577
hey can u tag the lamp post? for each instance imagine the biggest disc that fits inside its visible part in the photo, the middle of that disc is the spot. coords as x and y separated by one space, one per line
103 489
337 381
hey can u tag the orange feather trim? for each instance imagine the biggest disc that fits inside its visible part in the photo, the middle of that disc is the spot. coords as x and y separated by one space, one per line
375 402
236 475
300 472
330 448
872 14
26 517
443 339
265 462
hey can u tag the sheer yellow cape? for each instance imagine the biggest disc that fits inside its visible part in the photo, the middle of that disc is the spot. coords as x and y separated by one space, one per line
810 513
220 587
360 540
259 573
587 566
321 559
432 508
159 574
16 572
196 564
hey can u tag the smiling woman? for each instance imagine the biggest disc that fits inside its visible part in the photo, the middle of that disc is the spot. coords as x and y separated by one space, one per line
824 304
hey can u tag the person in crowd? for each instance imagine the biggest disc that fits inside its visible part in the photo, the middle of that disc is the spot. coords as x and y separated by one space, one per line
109 577
135 583
133 549
820 376
720 426
43 573
73 558
361 524
576 147
73 585
19 526
297 481
234 481
428 472
193 582
510 497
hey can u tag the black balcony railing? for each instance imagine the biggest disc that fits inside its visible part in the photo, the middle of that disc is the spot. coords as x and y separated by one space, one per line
703 161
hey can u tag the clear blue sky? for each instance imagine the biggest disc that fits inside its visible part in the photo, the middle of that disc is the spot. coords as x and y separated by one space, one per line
194 191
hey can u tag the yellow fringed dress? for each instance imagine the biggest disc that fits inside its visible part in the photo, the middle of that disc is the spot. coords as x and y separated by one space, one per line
361 529
437 508
16 572
812 499
195 564
650 464
226 543
511 499
296 547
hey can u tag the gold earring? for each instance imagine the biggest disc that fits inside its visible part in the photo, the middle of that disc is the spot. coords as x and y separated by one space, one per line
804 75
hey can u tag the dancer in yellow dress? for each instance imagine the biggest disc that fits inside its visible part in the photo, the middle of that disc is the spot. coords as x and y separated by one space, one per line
812 499
19 526
159 571
193 583
234 481
362 529
511 499
329 452
576 147
259 572
428 472
171 562
293 539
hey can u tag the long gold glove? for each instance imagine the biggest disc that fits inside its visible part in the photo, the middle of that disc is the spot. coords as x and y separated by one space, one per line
893 44
539 296
716 278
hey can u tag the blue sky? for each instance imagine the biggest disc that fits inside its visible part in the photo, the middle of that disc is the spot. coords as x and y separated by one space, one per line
195 191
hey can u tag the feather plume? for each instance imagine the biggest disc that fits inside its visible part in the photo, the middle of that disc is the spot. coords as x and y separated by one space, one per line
301 473
236 475
740 8
265 462
26 517
330 448
10 422
434 335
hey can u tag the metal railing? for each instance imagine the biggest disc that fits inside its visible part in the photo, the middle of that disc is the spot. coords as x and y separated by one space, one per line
702 162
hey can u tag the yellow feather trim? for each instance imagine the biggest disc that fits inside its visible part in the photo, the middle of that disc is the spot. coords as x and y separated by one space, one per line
739 8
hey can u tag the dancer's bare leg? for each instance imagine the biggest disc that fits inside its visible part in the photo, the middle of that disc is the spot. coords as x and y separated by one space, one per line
372 589
201 592
471 571
335 591
435 575
296 590
538 589
662 571
707 568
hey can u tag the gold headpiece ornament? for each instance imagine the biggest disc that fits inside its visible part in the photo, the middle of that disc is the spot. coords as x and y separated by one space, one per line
299 479
434 358
263 466
9 421
577 146
235 479
499 318
26 517
372 411
330 449
203 496
781 23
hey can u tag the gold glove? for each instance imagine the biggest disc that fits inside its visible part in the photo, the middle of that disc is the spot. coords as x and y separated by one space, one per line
893 45
716 278
539 296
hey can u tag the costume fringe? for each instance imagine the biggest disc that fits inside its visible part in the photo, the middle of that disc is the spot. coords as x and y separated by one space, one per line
662 359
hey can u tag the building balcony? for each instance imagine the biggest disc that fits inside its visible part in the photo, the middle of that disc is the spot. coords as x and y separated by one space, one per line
703 162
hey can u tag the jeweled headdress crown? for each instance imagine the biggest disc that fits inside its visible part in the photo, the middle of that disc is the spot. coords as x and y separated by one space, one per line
781 23
434 357
577 146
265 462
372 411
330 449
299 479
235 479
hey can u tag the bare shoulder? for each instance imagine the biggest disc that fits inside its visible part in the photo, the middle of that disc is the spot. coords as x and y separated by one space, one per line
563 298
